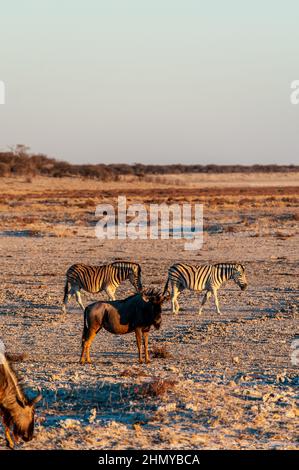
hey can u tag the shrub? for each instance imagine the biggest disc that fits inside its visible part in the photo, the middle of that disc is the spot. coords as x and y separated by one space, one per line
155 388
160 351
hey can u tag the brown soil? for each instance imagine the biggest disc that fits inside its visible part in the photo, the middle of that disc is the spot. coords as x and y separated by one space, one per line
222 382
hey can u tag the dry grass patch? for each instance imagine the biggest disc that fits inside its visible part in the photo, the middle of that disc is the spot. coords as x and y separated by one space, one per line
133 372
156 387
16 357
161 351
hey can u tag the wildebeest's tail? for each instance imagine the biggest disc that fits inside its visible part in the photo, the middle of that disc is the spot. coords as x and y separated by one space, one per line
85 327
166 286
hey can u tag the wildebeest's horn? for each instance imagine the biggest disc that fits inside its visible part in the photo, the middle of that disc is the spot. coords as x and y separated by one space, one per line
19 394
36 399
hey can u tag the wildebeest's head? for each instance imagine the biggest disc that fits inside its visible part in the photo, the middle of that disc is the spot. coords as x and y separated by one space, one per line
18 409
239 276
135 277
155 299
23 418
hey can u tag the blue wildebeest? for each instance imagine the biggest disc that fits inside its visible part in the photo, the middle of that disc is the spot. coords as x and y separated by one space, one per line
136 313
17 411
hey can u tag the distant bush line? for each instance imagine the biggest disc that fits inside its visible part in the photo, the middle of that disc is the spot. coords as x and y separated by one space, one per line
19 162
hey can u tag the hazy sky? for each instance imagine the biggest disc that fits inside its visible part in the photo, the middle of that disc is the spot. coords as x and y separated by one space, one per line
153 81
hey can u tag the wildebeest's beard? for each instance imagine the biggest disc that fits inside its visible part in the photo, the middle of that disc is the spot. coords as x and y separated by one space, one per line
23 419
138 282
157 318
138 285
24 430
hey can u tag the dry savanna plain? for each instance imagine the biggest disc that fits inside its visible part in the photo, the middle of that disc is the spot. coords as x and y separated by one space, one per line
214 382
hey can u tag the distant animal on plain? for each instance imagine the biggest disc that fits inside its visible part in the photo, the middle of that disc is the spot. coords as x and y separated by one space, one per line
209 278
16 409
95 279
136 313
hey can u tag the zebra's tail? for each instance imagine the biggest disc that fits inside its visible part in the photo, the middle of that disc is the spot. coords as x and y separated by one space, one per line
166 287
66 291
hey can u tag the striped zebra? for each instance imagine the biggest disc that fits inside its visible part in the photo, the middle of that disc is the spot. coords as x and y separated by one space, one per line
94 279
209 278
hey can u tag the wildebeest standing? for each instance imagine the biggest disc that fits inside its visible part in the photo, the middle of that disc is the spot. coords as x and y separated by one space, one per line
136 313
17 411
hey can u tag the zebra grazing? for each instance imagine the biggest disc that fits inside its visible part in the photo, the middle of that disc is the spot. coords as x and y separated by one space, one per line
94 279
209 277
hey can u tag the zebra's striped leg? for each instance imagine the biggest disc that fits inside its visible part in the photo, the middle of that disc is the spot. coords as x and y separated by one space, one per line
174 295
110 292
65 302
79 300
64 306
216 301
204 300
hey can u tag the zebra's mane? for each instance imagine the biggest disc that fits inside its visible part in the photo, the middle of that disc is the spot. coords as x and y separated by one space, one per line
126 263
230 264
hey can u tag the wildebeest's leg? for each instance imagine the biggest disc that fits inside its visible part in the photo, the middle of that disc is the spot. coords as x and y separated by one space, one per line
110 292
216 301
138 334
204 300
86 343
79 300
83 352
8 438
145 346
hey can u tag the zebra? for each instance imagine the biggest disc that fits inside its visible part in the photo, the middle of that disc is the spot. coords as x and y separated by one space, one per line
95 279
209 277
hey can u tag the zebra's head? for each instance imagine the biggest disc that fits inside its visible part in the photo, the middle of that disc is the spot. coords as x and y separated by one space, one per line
239 276
135 277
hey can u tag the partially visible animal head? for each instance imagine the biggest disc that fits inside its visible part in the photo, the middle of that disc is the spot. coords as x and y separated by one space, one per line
154 298
17 409
239 276
23 418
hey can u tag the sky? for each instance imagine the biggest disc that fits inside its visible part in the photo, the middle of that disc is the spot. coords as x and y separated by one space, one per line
151 81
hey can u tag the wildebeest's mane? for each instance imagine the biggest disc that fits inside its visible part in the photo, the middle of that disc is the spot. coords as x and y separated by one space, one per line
152 293
11 381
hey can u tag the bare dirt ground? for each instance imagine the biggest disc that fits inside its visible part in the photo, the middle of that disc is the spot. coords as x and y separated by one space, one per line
228 382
